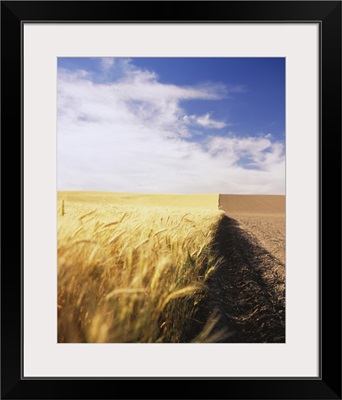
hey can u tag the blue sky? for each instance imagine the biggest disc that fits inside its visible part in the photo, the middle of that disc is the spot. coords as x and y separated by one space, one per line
172 125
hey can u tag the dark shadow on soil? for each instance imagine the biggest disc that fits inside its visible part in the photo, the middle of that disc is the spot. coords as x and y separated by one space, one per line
245 292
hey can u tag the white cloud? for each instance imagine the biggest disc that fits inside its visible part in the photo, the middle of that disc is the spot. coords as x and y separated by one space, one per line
260 150
204 120
107 63
132 135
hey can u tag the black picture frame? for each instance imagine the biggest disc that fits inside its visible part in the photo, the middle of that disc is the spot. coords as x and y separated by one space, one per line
328 15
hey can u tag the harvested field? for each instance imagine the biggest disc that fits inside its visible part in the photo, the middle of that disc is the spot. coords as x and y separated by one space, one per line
252 204
247 291
262 216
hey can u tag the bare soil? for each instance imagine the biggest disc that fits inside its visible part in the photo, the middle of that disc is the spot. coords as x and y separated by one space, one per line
263 216
247 292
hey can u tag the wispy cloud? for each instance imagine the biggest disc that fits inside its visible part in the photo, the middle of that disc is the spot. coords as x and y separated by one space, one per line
107 63
204 120
133 134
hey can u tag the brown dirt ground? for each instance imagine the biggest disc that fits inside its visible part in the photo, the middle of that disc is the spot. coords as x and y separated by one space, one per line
247 291
262 216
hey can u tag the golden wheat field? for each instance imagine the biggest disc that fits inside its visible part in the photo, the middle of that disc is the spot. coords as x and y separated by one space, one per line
132 268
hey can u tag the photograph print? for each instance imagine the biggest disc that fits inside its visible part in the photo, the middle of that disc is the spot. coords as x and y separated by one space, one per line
171 200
